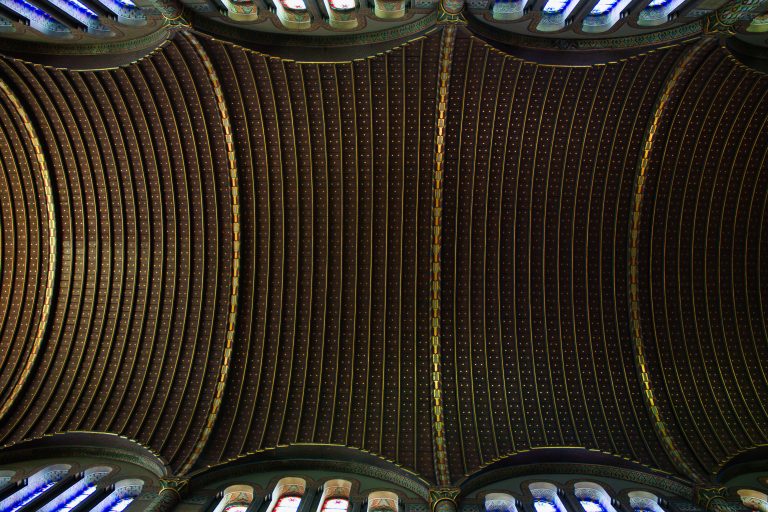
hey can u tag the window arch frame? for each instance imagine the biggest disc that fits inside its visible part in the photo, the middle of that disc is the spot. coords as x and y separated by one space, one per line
507 502
644 501
22 496
236 494
595 493
546 492
755 500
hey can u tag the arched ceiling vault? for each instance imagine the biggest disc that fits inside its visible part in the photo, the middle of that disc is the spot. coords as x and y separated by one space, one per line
443 254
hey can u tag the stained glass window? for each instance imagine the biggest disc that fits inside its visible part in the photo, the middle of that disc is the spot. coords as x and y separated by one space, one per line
287 504
603 6
542 505
342 4
554 7
76 499
296 5
40 489
119 505
591 506
335 505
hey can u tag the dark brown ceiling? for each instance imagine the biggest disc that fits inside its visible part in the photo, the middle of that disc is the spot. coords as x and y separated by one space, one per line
572 195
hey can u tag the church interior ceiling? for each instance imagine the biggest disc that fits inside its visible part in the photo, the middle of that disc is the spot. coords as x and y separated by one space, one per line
443 254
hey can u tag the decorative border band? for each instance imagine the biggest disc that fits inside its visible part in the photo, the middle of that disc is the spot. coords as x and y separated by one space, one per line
45 313
441 453
644 168
235 278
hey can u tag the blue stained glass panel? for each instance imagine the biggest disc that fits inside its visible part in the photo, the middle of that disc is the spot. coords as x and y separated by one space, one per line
544 506
37 492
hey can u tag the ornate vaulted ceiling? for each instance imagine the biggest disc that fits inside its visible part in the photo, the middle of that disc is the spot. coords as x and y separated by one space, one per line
442 254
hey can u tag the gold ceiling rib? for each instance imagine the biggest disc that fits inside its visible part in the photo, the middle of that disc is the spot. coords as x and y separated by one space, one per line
644 168
52 244
235 277
441 454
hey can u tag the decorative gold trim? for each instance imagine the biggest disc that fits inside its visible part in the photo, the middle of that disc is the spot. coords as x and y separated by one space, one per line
235 278
174 485
644 168
438 494
446 54
45 312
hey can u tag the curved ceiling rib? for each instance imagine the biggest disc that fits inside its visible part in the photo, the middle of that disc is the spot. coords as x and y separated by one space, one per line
227 216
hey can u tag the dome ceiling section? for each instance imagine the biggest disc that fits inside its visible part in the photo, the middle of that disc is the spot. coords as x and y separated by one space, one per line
27 247
335 204
136 338
702 259
536 343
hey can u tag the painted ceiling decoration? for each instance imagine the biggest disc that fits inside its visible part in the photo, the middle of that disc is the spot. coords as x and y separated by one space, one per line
446 255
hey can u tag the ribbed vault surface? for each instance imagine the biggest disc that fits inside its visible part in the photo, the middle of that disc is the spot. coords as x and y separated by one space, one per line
538 192
702 258
208 314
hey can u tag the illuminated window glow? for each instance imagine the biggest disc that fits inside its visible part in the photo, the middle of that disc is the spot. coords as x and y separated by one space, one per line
236 508
335 505
544 506
37 492
342 4
296 5
287 504
591 506
555 6
603 6
119 505
76 499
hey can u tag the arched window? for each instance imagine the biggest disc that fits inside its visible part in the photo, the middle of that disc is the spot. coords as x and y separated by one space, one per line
499 502
642 501
78 492
287 504
123 495
545 498
287 495
335 497
382 501
592 497
235 498
37 484
755 500
335 505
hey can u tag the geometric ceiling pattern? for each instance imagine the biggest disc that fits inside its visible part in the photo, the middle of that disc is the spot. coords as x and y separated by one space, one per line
216 251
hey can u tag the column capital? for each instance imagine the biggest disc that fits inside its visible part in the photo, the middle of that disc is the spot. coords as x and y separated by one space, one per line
443 499
174 485
711 498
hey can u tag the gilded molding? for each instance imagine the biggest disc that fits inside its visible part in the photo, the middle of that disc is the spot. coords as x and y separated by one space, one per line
705 496
45 312
151 42
285 38
235 277
659 481
174 485
726 17
644 38
441 453
644 169
443 499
